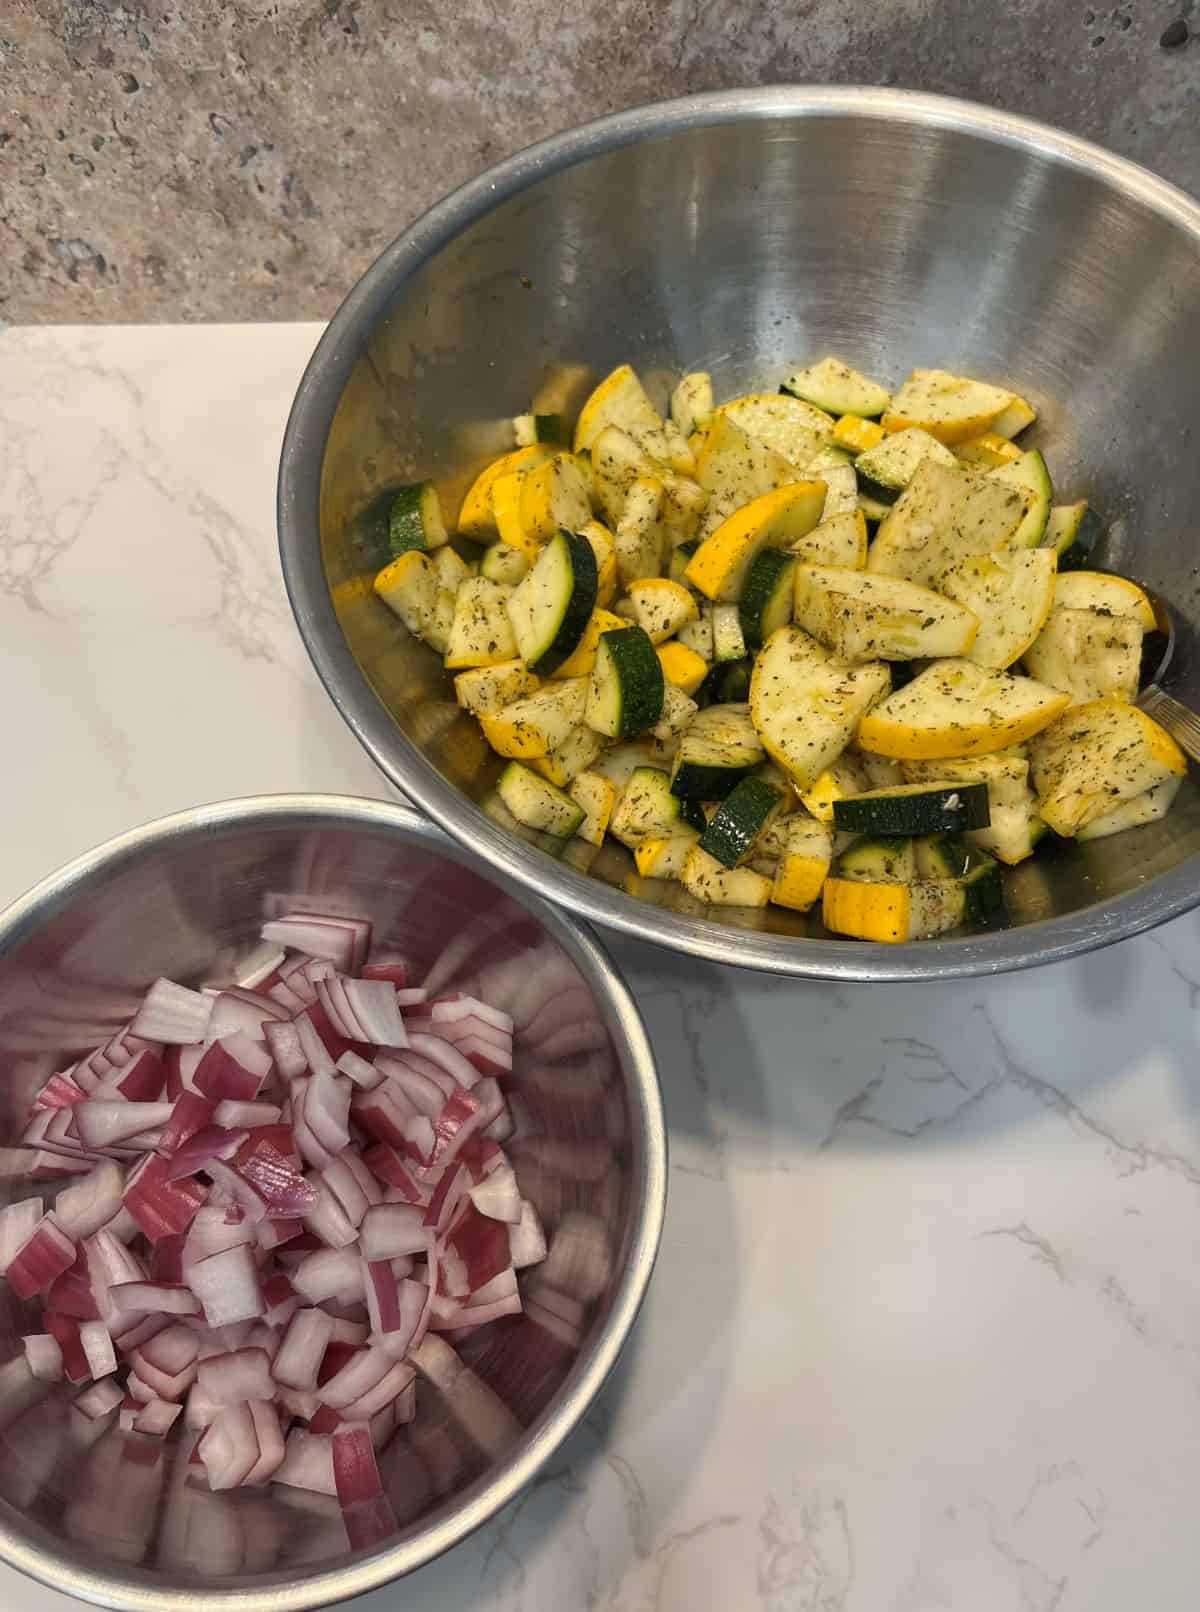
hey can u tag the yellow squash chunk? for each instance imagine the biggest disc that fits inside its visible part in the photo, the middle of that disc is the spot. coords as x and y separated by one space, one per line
553 494
617 462
786 424
805 705
475 518
860 616
684 505
733 468
682 666
665 858
408 586
1089 654
506 515
575 755
620 400
597 795
775 519
840 540
661 607
1148 807
604 548
1011 593
857 434
955 708
639 538
1096 757
1015 418
538 723
990 450
803 863
692 402
480 633
947 513
845 777
582 658
950 407
1098 590
868 910
490 688
708 880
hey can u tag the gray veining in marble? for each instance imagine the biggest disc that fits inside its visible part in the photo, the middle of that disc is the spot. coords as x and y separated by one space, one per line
198 159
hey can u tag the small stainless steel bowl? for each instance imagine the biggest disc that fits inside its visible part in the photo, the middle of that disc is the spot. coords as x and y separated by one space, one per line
113 1521
741 232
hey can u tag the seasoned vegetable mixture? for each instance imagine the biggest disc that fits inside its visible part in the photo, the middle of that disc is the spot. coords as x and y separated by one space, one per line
681 632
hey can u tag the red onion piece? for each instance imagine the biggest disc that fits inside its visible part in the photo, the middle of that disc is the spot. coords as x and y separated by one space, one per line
238 1116
365 1075
393 1229
328 1273
171 1013
89 1204
233 1068
526 1240
60 1091
156 1417
227 1286
342 942
356 1475
45 1356
447 1057
240 1011
327 1110
259 965
229 1448
169 1298
308 1463
303 1348
470 1007
65 1332
46 1253
280 1186
269 1436
18 1221
373 1003
388 1166
98 1348
228 1379
99 1400
160 1206
498 1195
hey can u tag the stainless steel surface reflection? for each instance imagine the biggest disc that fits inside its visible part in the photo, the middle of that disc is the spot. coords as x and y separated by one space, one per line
113 1518
740 232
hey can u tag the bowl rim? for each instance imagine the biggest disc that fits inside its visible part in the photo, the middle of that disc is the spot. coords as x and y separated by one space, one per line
143 1591
1164 896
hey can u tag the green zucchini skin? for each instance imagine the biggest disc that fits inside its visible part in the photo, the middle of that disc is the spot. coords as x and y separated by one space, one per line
577 586
948 808
628 683
739 820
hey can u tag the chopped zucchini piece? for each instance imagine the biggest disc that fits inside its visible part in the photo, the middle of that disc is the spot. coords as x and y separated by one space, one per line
626 692
803 864
537 802
830 457
950 407
717 749
1073 530
1095 758
1088 654
1028 474
767 596
955 708
531 428
661 607
692 402
881 771
500 562
575 755
887 860
408 586
841 540
476 518
729 641
841 491
781 422
721 564
989 450
857 434
1011 593
639 536
745 813
886 470
1110 595
892 912
705 878
551 609
945 807
415 519
680 555
450 569
480 633
538 723
682 666
865 616
490 688
597 796
1016 417
617 462
1148 807
871 509
684 504
845 776
837 389
554 496
946 514
1014 826
806 705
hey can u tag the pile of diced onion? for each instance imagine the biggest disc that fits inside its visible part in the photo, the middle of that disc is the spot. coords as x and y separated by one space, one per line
292 1197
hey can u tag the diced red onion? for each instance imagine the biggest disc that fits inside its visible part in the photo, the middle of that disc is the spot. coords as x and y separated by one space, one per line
89 1204
303 1348
160 1206
18 1221
237 1116
373 1003
526 1239
327 1110
356 1475
229 1447
241 1011
392 1229
200 1149
172 1013
468 1007
98 1348
422 1094
447 1057
281 1187
98 1400
45 1254
60 1091
169 1298
363 1372
308 1463
259 965
233 1068
365 1075
156 1417
139 1080
327 1273
392 967
228 1379
269 1436
329 1220
227 1286
45 1356
498 1195
100 1124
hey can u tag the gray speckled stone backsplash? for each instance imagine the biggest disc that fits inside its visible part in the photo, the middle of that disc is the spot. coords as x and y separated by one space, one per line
193 159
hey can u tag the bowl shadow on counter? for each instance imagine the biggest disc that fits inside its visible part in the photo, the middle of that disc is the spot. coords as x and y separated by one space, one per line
801 1067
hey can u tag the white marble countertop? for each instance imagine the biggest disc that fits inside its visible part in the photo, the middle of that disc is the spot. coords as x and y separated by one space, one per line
925 1329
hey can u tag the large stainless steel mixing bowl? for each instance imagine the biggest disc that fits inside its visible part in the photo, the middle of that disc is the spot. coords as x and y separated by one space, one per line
114 1521
741 232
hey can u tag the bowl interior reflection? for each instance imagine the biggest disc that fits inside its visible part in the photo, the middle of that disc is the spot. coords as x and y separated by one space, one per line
188 909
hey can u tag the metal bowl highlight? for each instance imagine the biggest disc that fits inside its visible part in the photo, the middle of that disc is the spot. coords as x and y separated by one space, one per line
113 1521
741 232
